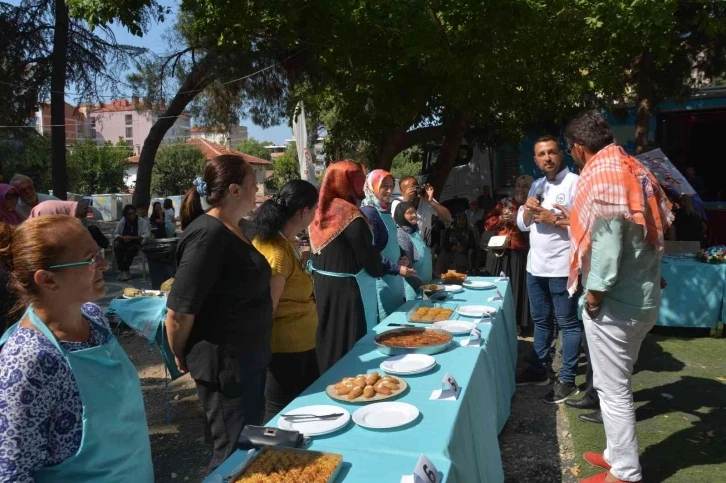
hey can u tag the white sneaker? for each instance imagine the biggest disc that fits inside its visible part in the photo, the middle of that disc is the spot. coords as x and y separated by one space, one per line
126 276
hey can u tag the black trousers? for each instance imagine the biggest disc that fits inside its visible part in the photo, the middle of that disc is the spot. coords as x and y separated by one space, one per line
228 408
288 375
125 251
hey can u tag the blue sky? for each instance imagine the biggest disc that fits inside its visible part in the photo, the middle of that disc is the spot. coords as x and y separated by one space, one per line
153 41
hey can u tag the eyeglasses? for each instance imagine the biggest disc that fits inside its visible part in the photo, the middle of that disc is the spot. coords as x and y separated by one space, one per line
12 196
569 149
92 263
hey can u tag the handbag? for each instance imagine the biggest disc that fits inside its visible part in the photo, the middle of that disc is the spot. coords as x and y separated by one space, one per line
498 244
259 436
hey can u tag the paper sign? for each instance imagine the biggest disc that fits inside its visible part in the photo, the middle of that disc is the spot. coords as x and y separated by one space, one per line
425 471
497 297
474 339
449 391
502 277
449 382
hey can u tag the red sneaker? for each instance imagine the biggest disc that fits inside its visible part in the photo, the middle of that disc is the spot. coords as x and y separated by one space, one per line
596 459
600 478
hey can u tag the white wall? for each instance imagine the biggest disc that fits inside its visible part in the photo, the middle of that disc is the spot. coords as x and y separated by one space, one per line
131 170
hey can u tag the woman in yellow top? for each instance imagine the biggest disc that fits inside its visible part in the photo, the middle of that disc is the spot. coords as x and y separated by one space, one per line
293 366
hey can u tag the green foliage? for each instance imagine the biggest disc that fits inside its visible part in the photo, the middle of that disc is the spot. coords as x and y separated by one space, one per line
175 168
286 167
95 169
255 148
407 163
135 15
29 156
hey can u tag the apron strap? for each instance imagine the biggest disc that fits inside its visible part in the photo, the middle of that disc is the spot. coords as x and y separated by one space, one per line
40 325
329 274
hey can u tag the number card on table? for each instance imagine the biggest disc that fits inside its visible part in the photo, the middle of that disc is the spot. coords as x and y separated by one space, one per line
425 472
449 391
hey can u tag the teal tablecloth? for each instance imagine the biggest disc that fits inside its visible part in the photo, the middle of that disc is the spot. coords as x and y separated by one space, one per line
460 436
695 294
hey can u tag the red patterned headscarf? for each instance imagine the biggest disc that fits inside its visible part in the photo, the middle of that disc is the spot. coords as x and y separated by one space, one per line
340 192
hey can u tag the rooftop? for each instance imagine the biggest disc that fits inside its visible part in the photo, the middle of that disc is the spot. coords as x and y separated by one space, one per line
210 150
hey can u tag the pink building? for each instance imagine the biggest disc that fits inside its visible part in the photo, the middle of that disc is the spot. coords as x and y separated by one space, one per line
131 121
74 121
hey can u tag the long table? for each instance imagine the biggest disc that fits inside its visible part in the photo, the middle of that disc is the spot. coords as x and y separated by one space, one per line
695 296
460 437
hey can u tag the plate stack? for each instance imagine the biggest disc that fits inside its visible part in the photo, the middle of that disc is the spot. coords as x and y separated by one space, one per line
408 364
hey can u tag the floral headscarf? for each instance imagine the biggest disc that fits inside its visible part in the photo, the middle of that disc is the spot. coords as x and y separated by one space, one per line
372 190
340 191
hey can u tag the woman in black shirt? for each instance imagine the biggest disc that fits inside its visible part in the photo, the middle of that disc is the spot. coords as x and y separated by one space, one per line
220 310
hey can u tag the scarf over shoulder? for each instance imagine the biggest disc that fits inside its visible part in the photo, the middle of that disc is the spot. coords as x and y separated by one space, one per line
612 184
340 192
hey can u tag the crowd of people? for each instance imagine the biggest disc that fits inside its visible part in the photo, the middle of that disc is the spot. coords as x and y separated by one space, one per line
255 322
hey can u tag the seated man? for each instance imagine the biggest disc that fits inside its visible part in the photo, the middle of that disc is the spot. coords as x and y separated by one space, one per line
131 231
29 198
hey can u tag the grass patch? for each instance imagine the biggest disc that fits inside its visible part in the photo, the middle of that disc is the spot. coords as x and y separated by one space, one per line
679 388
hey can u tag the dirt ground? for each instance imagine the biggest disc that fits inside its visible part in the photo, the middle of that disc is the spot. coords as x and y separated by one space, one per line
536 445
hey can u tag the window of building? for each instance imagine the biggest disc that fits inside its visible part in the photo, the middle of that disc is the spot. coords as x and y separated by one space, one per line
129 132
130 142
128 119
92 132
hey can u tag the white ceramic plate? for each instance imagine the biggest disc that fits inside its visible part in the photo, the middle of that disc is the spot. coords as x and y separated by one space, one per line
475 310
385 415
315 427
479 285
146 293
456 327
454 288
408 364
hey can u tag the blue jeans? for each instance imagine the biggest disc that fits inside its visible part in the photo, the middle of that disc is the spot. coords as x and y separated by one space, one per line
550 301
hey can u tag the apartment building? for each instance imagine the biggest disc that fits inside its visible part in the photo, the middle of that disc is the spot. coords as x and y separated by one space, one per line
74 120
131 121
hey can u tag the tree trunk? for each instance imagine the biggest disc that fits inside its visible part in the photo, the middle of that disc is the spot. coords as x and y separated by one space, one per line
393 143
453 135
401 138
59 179
200 77
646 101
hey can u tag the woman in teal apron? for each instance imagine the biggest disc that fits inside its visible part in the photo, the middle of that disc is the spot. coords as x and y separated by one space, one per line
413 247
72 403
345 264
377 208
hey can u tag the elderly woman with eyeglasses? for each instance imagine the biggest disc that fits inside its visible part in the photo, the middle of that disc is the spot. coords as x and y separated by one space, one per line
69 392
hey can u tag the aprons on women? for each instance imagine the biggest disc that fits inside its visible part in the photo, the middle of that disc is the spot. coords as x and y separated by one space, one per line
390 290
423 266
367 287
115 444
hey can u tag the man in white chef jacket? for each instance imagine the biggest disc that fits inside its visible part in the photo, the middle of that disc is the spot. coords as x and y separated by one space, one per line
547 272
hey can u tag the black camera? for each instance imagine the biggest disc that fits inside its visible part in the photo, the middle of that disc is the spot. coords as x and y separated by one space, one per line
420 191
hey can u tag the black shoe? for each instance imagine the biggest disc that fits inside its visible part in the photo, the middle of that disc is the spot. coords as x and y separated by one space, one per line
595 417
533 378
560 392
584 403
